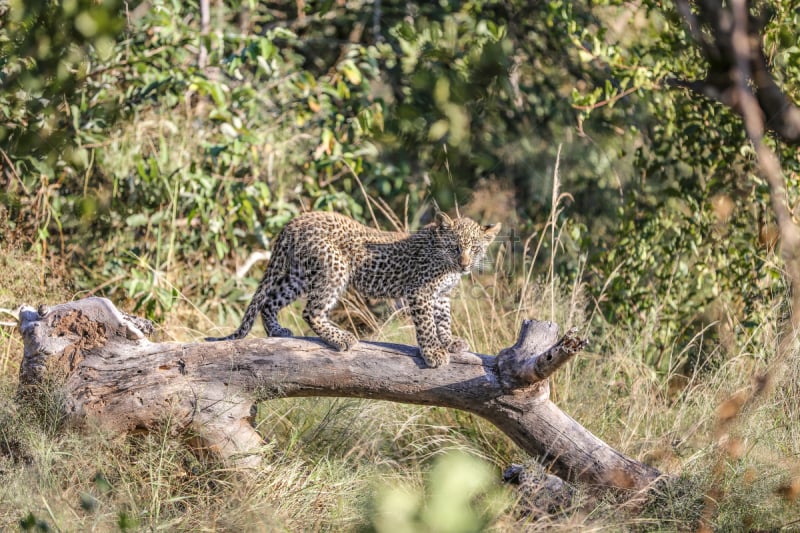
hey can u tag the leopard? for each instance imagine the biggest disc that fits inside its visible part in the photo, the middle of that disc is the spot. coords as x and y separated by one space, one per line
321 255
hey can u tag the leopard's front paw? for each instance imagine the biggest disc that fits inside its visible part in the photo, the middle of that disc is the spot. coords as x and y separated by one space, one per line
458 345
435 357
343 341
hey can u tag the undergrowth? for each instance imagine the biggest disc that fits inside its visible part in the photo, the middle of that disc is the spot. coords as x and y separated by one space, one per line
345 464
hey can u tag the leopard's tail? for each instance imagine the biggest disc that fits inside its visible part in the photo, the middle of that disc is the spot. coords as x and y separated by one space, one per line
278 268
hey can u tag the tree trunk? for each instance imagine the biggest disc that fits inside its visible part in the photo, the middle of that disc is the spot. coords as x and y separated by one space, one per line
111 374
739 76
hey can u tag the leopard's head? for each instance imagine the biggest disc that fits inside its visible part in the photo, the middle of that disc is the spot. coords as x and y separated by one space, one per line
462 242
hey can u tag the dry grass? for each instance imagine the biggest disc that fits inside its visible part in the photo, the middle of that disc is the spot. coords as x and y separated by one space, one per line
338 464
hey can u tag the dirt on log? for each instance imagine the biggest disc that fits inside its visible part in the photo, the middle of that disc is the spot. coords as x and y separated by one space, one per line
111 374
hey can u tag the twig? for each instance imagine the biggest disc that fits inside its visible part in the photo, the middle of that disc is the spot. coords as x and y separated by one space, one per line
14 172
252 259
607 101
205 20
388 213
12 313
364 192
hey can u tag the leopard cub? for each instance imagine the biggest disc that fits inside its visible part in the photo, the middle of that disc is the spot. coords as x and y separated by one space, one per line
321 255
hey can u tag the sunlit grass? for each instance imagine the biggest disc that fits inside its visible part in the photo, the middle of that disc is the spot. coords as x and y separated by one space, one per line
330 461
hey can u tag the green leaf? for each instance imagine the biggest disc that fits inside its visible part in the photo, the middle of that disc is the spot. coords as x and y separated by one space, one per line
137 220
438 130
351 72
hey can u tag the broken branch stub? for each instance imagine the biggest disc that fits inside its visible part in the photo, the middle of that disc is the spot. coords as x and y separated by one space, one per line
537 354
111 374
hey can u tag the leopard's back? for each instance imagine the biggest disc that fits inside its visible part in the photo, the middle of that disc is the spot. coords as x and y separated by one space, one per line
318 233
329 245
385 263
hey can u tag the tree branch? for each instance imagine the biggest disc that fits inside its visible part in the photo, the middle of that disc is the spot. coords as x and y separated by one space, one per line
739 77
718 44
751 110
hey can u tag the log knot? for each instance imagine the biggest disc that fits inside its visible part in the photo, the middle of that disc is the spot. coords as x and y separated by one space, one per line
142 324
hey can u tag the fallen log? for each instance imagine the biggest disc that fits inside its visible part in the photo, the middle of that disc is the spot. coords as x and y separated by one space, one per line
112 375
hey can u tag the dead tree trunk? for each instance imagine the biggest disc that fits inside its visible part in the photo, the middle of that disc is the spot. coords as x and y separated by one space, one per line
111 374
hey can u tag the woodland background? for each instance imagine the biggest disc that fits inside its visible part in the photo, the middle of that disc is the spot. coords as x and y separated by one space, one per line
146 150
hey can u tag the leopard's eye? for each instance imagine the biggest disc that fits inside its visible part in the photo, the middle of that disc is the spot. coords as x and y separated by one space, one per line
457 249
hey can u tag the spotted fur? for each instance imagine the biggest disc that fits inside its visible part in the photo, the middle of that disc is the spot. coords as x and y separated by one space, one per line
321 255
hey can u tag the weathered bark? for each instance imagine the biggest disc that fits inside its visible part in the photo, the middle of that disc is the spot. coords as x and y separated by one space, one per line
114 376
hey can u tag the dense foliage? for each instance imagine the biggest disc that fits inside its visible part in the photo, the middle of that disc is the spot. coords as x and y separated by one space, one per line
138 143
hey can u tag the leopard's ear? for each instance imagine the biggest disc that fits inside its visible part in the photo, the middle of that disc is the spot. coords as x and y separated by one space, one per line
491 231
443 221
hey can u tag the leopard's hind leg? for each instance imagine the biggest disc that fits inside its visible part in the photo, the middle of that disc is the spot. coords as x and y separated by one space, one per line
281 294
327 281
270 297
273 293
